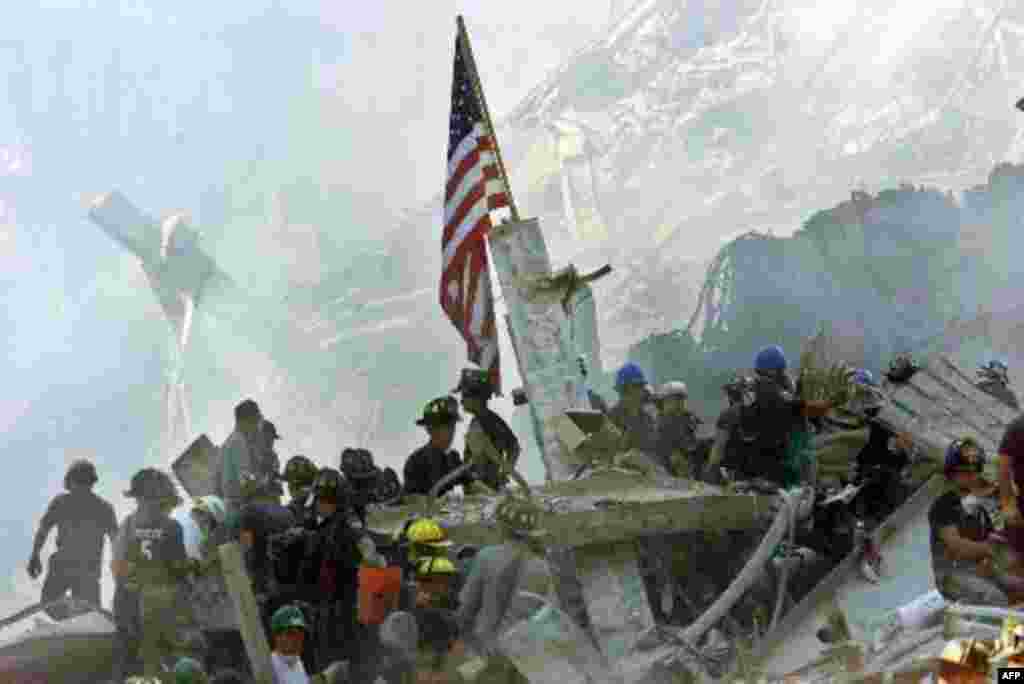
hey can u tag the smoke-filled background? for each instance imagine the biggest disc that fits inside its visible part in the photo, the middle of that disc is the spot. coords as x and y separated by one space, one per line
648 134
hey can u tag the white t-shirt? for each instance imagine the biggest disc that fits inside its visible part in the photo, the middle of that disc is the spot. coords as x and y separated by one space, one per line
288 669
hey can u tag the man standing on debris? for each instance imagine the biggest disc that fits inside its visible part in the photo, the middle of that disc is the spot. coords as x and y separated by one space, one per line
962 554
493 581
300 474
82 520
881 462
774 417
631 414
269 464
491 446
677 431
240 453
149 556
429 464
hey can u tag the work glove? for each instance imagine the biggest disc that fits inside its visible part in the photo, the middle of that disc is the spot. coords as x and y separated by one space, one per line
35 567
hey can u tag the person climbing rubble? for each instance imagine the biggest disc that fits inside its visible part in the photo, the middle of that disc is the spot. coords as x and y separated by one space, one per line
150 557
768 426
83 520
240 454
495 578
212 604
962 551
491 446
633 414
677 431
727 450
881 464
299 475
435 460
994 379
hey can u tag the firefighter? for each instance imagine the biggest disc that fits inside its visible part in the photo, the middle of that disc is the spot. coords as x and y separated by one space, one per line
299 475
436 460
677 431
439 649
491 446
329 573
486 595
82 520
150 557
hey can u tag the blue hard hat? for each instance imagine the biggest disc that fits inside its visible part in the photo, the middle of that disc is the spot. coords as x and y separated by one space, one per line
629 374
997 364
862 376
770 359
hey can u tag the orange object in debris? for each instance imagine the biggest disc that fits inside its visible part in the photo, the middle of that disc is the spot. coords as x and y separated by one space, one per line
379 589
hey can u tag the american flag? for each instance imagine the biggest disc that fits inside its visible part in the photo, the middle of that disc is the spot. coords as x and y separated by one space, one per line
474 188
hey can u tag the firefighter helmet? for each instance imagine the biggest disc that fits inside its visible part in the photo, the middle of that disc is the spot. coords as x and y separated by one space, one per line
519 515
427 531
440 411
388 489
435 567
331 484
357 464
153 485
474 383
300 472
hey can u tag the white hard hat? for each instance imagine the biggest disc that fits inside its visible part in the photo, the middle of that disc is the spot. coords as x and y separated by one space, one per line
675 388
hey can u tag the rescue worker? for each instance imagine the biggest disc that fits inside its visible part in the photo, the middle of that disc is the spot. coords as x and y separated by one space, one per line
439 649
726 450
82 520
429 464
632 414
258 523
388 488
487 592
213 606
994 379
491 446
775 417
329 573
1011 486
962 554
150 555
881 463
358 467
677 431
299 475
288 630
419 538
240 454
189 671
269 464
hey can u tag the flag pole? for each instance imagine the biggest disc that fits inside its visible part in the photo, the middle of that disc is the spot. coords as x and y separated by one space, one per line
474 76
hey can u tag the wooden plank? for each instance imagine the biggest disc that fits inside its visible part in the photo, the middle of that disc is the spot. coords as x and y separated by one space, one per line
249 619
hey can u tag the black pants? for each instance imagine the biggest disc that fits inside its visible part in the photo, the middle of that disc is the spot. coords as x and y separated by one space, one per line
62 575
225 651
128 620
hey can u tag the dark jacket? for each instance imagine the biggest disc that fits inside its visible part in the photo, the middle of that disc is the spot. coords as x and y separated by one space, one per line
331 561
427 465
503 439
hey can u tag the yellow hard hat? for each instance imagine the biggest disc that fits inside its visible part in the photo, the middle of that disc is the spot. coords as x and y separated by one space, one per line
427 531
435 566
